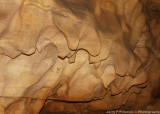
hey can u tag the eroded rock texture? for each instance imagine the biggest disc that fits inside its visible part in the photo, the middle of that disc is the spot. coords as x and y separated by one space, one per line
78 56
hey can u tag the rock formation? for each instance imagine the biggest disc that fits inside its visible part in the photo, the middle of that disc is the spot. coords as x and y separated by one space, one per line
79 56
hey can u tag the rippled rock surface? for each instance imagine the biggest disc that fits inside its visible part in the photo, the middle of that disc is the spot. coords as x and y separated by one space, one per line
79 56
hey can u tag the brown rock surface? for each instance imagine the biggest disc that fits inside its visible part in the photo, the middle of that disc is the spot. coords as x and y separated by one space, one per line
79 56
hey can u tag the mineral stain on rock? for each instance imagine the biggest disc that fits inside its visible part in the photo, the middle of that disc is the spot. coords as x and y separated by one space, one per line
3 15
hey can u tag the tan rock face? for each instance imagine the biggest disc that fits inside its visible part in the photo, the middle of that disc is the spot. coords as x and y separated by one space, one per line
76 56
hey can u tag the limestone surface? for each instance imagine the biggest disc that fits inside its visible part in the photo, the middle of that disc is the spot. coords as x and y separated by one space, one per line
78 56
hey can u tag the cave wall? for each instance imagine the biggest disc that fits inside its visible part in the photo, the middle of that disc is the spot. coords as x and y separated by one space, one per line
79 56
